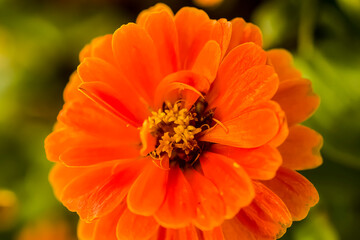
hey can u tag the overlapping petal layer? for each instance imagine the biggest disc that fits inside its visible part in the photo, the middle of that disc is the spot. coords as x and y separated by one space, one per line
241 184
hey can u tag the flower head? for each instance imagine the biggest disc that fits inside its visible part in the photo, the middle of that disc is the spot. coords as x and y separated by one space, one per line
180 126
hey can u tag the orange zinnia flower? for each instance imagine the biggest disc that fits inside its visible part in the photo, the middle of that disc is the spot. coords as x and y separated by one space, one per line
183 127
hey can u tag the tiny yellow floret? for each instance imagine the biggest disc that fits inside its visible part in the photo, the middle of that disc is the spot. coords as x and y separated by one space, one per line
172 127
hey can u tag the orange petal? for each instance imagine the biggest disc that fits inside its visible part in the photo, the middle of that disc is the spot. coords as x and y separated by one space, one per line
58 126
210 208
136 227
106 97
178 208
85 52
188 22
71 90
301 150
148 141
259 163
214 234
237 62
97 70
62 145
233 229
161 28
283 131
60 176
224 36
243 32
267 216
63 139
82 185
105 228
295 190
148 191
85 156
85 231
297 99
185 233
207 62
101 47
218 31
232 181
52 151
189 233
98 191
145 14
251 129
137 58
86 116
282 61
257 84
182 82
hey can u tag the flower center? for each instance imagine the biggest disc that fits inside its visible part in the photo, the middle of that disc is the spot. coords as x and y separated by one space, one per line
176 130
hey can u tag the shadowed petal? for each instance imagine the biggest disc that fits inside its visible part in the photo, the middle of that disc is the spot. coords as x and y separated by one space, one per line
141 65
185 233
208 60
267 216
61 175
135 227
71 91
100 47
233 229
212 30
301 150
297 99
105 228
148 191
282 61
178 208
64 139
259 163
210 208
243 32
188 22
295 190
231 180
98 191
145 14
161 28
214 234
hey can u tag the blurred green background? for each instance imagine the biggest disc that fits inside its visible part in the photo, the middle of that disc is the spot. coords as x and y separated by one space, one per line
39 45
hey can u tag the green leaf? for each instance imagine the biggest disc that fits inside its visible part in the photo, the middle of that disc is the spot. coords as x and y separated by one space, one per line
316 227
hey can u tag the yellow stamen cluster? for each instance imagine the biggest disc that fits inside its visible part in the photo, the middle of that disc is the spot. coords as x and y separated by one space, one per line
173 129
